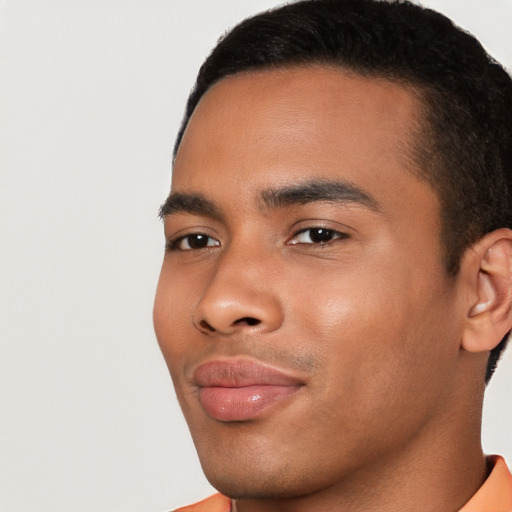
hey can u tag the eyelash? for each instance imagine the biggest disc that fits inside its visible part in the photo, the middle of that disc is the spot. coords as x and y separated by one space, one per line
173 244
321 231
332 234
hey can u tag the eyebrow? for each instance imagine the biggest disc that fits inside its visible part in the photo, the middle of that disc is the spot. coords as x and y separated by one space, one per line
316 190
178 202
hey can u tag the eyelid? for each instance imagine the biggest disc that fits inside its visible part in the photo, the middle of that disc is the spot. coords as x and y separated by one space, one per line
338 234
176 238
174 245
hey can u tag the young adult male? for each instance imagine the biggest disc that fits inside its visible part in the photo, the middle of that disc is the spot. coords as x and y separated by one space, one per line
336 289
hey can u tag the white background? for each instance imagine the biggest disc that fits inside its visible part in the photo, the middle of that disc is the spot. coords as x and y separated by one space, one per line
91 97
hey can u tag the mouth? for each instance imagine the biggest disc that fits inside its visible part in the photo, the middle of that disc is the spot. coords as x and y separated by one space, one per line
240 389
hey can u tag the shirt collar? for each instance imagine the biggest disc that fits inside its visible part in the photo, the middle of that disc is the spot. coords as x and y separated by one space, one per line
496 493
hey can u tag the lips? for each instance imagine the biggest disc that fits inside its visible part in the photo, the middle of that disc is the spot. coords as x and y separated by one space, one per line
239 390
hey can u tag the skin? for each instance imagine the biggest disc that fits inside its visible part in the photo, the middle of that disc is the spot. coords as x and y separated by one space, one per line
388 417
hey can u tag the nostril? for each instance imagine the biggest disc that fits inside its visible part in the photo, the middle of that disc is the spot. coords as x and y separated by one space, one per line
206 326
247 320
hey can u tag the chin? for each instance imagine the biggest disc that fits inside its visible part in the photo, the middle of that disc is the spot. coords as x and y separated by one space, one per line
250 478
254 487
238 479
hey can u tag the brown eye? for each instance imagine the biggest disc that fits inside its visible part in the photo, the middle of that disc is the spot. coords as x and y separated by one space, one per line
320 235
317 236
194 241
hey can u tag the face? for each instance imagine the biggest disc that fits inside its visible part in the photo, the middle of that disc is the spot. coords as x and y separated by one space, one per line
303 308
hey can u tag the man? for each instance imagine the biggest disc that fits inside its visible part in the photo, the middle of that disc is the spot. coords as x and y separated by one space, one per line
336 289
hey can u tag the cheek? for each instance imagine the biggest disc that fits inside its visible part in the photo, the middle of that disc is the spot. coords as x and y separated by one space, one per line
172 316
377 334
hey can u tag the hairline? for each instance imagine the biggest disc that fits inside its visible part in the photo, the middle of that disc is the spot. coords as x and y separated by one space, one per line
419 146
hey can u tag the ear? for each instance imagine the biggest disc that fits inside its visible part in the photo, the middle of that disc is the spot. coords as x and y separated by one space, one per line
487 269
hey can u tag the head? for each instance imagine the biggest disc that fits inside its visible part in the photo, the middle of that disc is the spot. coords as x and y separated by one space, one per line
339 212
465 151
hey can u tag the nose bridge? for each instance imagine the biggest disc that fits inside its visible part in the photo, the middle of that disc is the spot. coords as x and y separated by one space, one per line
240 294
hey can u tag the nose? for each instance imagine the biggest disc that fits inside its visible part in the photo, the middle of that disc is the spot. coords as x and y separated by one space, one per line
239 297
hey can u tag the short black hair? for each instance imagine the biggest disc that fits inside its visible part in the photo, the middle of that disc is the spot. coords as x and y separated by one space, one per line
465 146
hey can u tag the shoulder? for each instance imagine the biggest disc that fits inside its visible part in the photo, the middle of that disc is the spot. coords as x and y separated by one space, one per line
215 503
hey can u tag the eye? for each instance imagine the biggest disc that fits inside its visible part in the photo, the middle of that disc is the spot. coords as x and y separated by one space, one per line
316 235
193 241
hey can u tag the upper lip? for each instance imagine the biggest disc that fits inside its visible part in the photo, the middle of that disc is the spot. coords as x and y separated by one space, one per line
237 373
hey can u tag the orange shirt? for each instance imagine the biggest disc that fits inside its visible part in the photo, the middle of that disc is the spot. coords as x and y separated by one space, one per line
215 503
495 495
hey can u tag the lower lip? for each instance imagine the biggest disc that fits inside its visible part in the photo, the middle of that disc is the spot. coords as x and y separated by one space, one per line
244 403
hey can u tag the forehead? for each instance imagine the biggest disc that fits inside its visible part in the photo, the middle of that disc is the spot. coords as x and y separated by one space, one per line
270 128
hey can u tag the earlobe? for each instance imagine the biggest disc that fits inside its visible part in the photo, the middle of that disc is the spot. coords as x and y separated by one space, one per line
489 266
